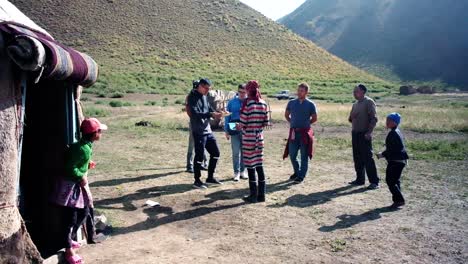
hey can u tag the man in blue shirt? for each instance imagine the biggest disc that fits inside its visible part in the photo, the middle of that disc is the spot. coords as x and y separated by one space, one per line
300 113
234 106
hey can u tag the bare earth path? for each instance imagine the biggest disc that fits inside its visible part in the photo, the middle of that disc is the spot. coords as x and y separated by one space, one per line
322 220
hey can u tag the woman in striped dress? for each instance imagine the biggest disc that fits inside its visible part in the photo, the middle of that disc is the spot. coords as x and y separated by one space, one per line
253 118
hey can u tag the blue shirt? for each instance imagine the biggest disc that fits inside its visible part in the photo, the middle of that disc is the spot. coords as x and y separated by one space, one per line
234 106
301 112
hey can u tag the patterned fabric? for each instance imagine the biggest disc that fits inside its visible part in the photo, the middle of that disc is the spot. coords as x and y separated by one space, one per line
62 62
253 118
71 194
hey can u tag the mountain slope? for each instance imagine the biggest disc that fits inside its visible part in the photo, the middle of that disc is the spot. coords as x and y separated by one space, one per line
161 45
414 39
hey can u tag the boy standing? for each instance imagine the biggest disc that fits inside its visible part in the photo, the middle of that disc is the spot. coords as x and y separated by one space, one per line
396 156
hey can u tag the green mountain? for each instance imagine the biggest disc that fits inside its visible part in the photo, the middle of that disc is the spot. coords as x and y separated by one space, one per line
408 39
159 46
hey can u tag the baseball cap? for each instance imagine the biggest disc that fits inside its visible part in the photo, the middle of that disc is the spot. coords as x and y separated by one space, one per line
395 117
91 125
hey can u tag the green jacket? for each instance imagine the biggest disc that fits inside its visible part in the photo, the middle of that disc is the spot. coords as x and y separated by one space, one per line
77 160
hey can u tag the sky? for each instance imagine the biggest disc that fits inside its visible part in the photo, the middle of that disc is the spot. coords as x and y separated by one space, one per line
274 9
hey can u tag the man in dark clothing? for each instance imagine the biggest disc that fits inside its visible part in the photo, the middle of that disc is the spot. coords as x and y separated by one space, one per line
363 117
201 112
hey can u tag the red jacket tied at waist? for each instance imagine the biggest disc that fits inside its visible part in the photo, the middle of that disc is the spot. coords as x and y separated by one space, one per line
307 136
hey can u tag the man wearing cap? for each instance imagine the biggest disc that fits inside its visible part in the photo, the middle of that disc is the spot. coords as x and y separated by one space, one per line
201 112
363 117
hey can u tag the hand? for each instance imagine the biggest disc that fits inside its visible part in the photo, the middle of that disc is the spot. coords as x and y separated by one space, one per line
227 136
84 181
92 165
368 136
217 115
238 126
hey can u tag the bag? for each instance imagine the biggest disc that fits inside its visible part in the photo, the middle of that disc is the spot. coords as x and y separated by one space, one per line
231 128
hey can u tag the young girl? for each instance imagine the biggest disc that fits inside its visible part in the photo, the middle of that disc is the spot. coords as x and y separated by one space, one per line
253 118
73 193
396 156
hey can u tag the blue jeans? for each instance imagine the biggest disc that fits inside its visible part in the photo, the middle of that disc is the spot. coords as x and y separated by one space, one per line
294 147
237 157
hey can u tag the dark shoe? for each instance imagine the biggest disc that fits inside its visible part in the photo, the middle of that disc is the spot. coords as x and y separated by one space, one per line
356 183
189 170
250 199
261 198
298 180
293 177
213 181
397 205
373 186
199 185
99 238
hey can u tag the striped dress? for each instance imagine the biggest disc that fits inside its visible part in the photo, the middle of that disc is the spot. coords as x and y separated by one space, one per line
253 119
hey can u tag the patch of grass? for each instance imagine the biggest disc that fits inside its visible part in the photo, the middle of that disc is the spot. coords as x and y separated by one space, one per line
151 103
337 245
439 150
90 111
100 102
179 102
116 95
120 103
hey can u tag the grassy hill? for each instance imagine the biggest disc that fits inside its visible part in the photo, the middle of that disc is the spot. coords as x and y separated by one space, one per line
399 39
159 46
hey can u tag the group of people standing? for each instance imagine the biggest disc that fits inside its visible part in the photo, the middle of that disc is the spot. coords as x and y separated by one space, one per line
247 116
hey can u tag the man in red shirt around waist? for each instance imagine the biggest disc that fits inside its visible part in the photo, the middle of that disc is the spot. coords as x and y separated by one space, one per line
300 113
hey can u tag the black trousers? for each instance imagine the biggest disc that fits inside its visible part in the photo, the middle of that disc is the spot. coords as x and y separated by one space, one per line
203 142
363 159
72 219
393 175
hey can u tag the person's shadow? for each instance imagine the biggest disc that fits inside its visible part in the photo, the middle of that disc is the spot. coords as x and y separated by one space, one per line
347 221
312 199
146 193
239 193
114 182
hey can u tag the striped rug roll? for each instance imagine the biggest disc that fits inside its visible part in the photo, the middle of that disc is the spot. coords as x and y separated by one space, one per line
62 62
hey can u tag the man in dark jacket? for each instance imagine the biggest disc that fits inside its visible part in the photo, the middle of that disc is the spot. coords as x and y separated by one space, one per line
201 112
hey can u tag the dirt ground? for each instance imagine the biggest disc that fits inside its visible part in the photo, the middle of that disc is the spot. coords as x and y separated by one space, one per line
322 220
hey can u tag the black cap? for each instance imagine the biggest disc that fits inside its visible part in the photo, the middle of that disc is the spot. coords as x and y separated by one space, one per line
205 81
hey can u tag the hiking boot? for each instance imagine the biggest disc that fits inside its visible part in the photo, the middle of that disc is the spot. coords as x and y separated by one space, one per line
356 183
236 176
213 180
373 186
243 175
199 185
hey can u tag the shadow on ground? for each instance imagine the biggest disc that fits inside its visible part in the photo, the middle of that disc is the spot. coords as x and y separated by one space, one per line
302 201
347 221
114 182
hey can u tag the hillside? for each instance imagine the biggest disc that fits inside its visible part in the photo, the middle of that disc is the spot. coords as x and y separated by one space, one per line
159 46
406 39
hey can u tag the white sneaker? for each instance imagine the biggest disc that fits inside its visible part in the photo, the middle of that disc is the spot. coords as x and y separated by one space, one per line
243 176
236 176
